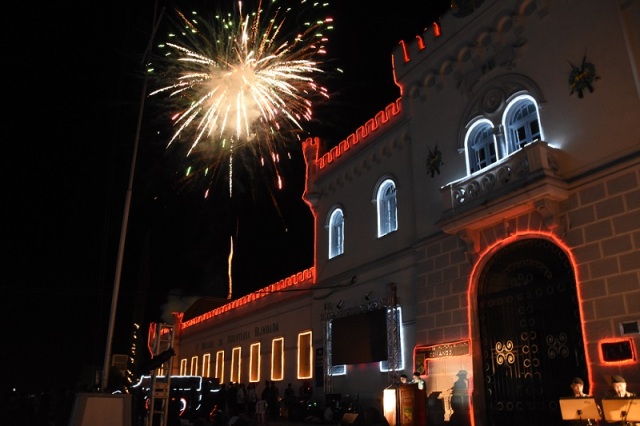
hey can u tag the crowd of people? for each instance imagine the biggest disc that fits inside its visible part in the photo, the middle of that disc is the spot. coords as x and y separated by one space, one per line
49 407
237 403
618 389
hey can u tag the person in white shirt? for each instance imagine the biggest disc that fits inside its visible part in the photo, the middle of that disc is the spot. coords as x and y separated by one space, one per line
418 380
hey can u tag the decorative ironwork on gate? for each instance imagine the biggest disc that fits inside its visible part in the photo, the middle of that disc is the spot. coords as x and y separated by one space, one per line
530 333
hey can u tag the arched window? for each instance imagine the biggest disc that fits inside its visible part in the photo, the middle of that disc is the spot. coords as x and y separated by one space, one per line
481 146
387 208
501 117
521 123
336 233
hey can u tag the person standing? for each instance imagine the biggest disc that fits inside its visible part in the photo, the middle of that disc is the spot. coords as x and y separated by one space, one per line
273 401
577 388
289 401
460 400
252 399
241 398
619 388
261 411
265 391
418 380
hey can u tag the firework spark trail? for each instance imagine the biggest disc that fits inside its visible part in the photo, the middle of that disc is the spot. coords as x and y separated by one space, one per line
242 80
229 267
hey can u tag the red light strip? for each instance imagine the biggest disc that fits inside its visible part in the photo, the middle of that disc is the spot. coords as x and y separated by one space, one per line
492 248
634 355
301 277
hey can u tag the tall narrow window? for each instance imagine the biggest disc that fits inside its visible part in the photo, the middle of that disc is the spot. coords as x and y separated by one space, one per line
183 367
235 364
194 366
481 146
277 359
305 355
521 123
387 208
336 233
220 366
254 363
206 365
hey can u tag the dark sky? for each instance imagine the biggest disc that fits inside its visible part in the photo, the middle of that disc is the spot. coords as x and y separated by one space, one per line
73 85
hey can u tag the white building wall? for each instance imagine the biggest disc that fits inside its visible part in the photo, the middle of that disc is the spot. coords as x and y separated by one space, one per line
429 260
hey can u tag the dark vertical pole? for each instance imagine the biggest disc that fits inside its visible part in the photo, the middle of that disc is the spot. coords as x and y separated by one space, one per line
125 215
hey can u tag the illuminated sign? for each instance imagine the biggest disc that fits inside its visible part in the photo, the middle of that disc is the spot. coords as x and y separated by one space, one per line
443 350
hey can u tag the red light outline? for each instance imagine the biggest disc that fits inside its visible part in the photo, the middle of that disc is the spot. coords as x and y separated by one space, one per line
481 261
634 355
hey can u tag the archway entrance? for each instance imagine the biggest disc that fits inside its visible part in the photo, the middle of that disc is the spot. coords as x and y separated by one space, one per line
530 331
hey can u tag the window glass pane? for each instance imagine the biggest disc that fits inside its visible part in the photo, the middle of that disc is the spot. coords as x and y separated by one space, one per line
338 370
254 363
235 364
336 234
522 124
481 148
305 355
277 359
206 365
387 208
194 366
220 366
535 129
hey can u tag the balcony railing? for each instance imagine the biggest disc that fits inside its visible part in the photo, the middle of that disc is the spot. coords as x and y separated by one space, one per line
526 176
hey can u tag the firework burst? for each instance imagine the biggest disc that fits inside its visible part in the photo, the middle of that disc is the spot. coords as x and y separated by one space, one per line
244 78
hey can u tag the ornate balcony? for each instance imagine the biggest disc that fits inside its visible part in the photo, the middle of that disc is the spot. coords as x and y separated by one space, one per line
524 181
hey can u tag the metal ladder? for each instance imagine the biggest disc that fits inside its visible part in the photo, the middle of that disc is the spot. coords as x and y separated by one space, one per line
161 383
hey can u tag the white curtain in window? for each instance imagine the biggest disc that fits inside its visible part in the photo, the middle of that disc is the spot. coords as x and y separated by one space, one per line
387 208
336 233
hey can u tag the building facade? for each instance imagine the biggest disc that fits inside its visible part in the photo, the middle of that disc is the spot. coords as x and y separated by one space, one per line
492 213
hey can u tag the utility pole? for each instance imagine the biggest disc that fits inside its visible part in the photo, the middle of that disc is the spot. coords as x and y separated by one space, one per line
125 214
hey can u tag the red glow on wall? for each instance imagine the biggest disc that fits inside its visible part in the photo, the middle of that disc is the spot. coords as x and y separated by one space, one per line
436 29
405 52
419 40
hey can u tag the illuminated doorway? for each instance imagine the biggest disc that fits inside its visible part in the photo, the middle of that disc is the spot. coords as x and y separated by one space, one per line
531 334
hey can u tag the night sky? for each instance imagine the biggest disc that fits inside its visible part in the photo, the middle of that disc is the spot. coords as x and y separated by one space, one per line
73 85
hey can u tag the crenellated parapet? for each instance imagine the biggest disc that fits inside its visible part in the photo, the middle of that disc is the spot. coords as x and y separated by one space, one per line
361 135
300 279
493 45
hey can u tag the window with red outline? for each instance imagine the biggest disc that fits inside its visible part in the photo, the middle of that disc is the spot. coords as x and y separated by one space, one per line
254 362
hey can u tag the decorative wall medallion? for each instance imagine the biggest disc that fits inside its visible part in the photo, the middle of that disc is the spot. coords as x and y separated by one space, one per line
434 161
493 100
582 77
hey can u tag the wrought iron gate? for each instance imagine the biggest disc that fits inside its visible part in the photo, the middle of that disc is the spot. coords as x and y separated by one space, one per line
530 331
